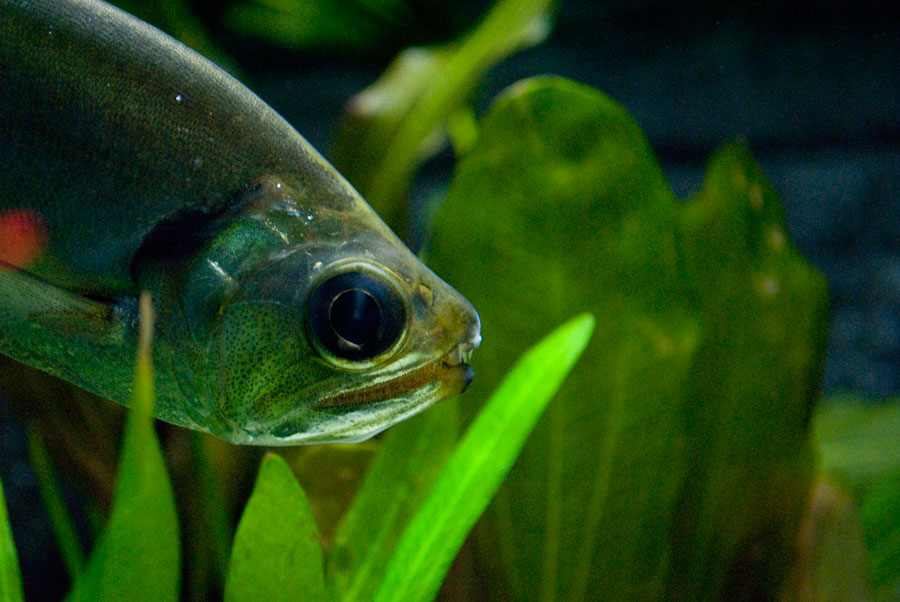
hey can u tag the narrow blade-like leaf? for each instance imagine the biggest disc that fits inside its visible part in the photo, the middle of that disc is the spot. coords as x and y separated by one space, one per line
474 471
396 484
137 557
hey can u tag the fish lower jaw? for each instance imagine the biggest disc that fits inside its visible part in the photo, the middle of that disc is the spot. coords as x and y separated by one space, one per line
352 426
358 414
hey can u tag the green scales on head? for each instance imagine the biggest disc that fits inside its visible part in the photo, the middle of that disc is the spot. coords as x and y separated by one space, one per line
287 312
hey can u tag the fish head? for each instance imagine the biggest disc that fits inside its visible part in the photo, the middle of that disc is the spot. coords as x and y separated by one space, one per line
313 323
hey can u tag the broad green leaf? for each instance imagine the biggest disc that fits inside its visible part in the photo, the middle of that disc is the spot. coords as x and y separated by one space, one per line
679 444
858 446
400 119
277 554
478 464
752 388
10 579
397 482
137 556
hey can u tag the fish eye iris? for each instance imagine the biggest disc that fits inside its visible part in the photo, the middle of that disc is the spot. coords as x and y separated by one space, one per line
356 316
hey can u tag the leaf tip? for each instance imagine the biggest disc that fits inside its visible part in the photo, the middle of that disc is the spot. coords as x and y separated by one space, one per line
143 398
581 328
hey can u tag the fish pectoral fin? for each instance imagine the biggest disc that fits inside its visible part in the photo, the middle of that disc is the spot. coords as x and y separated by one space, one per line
26 299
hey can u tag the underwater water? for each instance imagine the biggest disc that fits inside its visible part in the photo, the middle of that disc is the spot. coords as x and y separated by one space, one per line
814 95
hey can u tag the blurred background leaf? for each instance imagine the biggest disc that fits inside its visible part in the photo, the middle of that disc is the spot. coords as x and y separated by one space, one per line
858 442
676 463
317 23
176 18
351 26
830 556
401 119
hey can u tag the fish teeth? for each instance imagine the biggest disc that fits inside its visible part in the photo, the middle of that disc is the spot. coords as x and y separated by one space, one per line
457 355
462 352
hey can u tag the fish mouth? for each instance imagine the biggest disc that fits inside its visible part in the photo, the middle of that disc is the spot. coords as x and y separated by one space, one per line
452 371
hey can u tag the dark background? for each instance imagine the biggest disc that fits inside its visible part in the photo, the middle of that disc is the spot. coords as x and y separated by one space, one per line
814 91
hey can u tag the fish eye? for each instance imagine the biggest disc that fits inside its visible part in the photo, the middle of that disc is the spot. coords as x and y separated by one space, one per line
356 315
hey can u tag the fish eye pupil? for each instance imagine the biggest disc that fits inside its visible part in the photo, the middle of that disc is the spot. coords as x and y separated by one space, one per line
355 316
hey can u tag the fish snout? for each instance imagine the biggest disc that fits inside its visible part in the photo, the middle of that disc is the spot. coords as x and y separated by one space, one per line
469 340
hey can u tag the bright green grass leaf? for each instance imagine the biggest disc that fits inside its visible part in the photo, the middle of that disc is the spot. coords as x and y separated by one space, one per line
10 579
858 446
397 482
277 554
399 120
679 445
137 556
478 465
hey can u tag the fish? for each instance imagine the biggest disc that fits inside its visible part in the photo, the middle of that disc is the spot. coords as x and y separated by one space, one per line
287 312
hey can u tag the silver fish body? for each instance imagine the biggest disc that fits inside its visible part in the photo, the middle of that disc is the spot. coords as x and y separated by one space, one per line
287 311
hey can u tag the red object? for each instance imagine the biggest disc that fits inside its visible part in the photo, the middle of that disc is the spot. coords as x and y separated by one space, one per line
23 237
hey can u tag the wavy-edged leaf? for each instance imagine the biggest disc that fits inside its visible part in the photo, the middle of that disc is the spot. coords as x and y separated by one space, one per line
473 472
277 553
10 578
138 555
679 445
